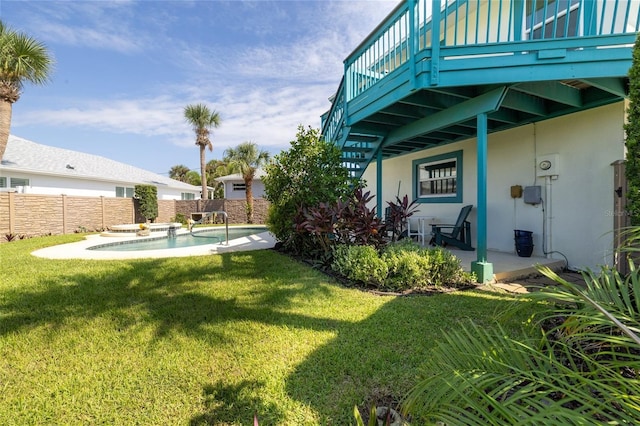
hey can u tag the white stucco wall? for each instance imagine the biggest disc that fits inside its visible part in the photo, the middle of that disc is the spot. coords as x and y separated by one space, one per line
257 188
580 199
55 185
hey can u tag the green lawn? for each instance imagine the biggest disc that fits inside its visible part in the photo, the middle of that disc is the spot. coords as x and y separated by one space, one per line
207 340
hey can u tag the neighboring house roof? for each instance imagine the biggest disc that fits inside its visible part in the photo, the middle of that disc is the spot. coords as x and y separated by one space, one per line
237 176
25 156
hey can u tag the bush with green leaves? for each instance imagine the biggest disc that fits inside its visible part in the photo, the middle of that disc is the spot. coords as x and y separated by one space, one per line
180 218
413 266
309 173
147 196
360 263
407 265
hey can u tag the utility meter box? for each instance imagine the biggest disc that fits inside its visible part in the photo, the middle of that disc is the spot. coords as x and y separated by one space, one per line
547 165
533 194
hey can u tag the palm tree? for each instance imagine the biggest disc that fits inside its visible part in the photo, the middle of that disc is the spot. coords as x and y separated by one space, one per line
202 119
193 178
246 159
179 172
22 59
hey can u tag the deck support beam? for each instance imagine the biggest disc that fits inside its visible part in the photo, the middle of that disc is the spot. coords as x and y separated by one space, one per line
379 183
459 113
482 268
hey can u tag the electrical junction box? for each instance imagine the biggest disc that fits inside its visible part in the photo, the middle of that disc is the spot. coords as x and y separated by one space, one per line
533 194
516 191
547 165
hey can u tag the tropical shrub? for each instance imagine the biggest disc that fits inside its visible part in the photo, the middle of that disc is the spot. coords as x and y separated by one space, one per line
360 263
356 223
315 230
398 214
580 363
309 173
13 237
348 221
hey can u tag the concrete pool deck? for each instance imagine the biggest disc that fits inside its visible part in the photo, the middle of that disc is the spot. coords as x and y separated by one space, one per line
79 250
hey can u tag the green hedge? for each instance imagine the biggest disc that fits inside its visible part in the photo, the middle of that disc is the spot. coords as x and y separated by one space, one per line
401 266
147 196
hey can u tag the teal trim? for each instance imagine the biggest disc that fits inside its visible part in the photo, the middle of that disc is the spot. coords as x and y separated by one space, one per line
413 46
435 45
610 85
482 189
552 90
457 155
379 183
459 113
483 271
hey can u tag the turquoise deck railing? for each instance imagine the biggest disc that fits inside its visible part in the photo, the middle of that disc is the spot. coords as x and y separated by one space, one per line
409 30
407 33
399 56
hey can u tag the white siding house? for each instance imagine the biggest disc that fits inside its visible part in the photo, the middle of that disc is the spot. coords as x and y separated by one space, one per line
513 107
28 167
575 215
234 186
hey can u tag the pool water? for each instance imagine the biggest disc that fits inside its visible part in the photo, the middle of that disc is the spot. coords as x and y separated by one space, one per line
197 238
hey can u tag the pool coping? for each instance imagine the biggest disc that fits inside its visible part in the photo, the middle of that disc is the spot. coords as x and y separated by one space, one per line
80 249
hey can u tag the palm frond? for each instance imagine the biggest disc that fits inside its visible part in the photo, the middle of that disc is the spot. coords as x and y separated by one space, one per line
582 367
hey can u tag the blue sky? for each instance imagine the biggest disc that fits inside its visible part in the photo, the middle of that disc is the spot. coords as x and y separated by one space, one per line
124 71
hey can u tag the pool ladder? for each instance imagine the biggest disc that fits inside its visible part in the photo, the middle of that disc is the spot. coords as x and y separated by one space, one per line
211 213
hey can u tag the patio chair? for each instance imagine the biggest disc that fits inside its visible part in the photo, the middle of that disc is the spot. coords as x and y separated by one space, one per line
416 228
458 235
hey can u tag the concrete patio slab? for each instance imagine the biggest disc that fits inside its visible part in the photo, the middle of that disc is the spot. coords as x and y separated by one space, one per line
509 266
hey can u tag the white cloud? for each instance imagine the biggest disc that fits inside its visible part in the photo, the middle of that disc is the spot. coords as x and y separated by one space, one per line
263 91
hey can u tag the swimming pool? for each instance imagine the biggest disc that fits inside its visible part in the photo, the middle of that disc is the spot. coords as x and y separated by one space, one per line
197 238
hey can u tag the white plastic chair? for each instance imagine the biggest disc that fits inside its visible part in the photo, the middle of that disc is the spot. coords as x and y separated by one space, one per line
416 228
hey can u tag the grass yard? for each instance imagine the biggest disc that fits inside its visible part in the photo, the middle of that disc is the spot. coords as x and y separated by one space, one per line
208 340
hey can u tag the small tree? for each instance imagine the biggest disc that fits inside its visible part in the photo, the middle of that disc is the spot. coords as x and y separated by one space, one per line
147 196
309 173
246 159
632 129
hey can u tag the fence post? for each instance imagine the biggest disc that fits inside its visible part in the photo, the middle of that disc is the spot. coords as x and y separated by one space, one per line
64 213
102 218
621 218
12 212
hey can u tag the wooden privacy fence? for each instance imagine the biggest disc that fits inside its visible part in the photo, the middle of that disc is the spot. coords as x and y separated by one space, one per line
33 214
